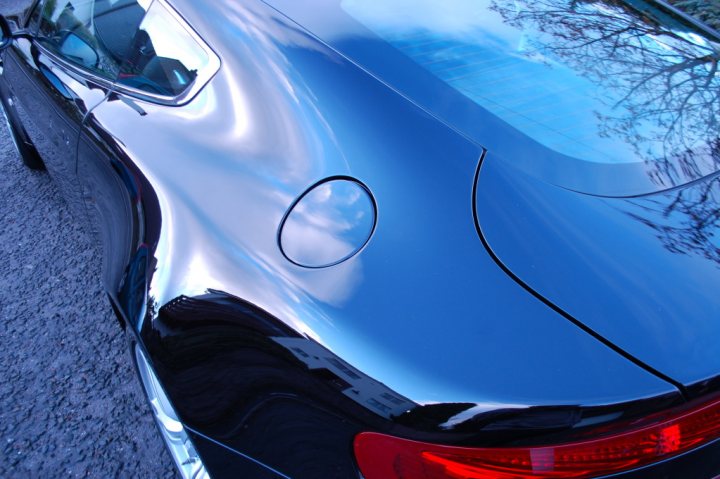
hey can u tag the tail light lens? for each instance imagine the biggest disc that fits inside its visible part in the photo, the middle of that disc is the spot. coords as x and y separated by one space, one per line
386 457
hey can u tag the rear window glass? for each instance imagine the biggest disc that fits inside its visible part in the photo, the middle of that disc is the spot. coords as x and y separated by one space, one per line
601 80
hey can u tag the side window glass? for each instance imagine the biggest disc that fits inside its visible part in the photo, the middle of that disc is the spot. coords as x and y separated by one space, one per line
93 34
34 19
165 58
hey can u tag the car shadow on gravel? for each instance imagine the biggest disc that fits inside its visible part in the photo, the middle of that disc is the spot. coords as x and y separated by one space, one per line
70 403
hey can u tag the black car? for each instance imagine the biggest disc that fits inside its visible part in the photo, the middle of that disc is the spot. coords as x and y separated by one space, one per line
397 239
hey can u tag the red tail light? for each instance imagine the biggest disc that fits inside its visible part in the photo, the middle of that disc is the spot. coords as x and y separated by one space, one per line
387 457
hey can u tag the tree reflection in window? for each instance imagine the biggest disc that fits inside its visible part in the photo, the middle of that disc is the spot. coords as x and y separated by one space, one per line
686 220
656 71
657 76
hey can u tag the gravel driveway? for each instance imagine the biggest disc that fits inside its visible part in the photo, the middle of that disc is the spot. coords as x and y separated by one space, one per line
70 404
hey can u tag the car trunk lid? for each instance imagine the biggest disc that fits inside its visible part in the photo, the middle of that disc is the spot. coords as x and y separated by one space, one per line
640 271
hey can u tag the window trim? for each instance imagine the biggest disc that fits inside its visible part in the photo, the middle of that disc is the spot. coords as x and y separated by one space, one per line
203 78
74 68
696 22
28 14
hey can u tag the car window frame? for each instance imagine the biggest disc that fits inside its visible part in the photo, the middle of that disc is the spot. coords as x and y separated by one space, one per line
202 79
37 4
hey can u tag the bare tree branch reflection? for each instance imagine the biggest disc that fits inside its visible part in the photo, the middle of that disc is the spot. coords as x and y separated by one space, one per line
686 221
662 89
660 83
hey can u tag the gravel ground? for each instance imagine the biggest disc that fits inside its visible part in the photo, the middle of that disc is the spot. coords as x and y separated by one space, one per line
70 403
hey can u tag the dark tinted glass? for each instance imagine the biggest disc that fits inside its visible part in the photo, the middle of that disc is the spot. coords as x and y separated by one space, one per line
164 58
93 34
34 19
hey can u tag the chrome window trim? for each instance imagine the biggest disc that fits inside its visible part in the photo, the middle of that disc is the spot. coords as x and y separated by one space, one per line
202 79
73 68
29 12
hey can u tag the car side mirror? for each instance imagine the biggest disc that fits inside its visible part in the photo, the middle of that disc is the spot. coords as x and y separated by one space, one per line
7 35
79 50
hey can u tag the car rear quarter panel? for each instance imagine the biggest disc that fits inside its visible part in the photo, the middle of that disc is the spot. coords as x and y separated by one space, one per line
420 334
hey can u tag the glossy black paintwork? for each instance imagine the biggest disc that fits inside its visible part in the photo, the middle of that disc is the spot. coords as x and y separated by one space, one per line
224 463
54 100
255 384
422 334
644 269
208 240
